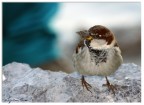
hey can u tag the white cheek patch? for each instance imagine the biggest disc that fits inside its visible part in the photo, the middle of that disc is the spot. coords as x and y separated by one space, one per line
98 44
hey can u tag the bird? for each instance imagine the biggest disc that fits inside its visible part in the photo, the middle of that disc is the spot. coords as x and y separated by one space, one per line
97 53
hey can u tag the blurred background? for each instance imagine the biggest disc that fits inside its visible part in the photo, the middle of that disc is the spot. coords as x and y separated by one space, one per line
44 34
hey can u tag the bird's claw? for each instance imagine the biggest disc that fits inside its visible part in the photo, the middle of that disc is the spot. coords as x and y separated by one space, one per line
86 85
110 86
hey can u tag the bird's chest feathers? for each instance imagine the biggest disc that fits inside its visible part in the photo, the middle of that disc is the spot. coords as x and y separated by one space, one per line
98 56
94 56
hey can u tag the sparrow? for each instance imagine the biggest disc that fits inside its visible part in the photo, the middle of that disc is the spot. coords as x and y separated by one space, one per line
97 53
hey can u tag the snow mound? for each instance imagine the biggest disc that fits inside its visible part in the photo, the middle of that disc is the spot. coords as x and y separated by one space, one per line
25 84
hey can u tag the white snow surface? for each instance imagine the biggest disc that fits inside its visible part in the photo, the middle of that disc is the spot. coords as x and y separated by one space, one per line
25 84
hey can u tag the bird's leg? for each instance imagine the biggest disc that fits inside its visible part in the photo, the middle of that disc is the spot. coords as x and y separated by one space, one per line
85 84
110 86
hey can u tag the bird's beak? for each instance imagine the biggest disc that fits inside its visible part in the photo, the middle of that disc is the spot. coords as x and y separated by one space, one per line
89 38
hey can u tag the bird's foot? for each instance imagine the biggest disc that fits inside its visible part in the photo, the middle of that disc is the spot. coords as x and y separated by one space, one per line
85 84
110 86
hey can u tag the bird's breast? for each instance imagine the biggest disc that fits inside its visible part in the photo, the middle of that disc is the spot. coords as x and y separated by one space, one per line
97 62
98 56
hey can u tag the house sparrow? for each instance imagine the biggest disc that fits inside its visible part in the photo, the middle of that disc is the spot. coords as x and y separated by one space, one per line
97 53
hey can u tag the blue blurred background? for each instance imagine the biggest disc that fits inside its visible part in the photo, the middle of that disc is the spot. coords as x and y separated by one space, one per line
43 34
27 35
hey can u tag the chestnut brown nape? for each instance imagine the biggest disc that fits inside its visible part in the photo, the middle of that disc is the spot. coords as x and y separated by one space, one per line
105 33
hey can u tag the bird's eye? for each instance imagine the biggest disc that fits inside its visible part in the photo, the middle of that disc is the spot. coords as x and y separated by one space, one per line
100 35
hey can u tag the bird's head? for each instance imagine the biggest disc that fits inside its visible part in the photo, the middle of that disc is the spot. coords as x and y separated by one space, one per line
98 37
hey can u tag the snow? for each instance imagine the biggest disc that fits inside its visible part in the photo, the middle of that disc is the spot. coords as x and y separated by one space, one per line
26 84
